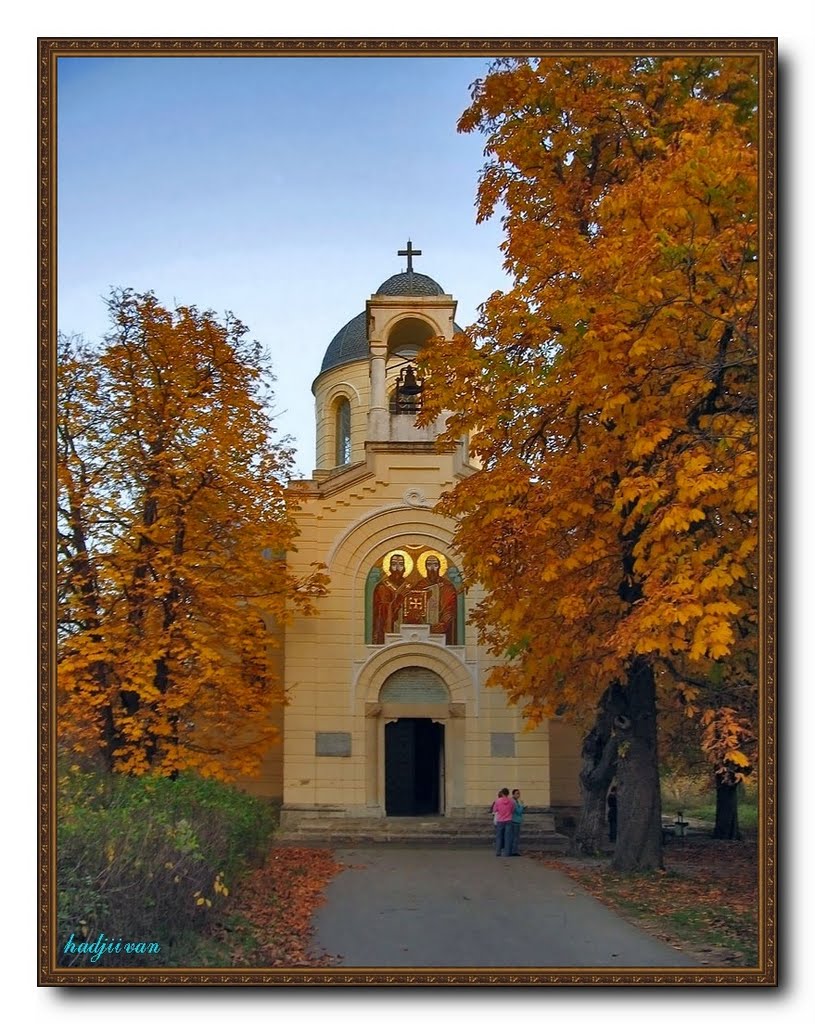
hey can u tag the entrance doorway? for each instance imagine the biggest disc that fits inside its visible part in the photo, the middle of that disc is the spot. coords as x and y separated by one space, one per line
414 763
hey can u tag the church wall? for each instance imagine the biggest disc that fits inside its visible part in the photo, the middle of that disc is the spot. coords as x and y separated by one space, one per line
350 519
269 782
565 743
324 654
352 381
528 770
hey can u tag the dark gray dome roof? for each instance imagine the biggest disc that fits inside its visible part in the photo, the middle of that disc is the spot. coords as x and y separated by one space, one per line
410 283
348 344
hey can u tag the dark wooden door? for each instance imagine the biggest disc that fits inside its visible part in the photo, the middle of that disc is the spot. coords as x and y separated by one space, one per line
412 761
400 762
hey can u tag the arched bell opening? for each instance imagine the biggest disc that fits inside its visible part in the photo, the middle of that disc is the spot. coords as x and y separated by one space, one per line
407 338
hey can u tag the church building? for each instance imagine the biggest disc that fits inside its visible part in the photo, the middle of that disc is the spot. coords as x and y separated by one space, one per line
387 710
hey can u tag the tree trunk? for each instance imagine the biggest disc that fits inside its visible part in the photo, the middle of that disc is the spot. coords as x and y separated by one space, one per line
639 823
727 808
599 764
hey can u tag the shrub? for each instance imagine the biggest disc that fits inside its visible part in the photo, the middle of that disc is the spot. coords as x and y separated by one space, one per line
148 859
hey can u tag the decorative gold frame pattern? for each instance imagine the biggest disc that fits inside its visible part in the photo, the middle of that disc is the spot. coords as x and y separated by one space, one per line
49 50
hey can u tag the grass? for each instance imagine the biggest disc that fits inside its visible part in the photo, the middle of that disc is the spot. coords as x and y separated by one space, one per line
704 902
716 928
699 803
748 814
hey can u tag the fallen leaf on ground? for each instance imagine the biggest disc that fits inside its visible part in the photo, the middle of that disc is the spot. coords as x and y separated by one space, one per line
275 905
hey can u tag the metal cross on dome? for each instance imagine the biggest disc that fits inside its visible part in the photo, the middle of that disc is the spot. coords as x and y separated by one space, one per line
410 252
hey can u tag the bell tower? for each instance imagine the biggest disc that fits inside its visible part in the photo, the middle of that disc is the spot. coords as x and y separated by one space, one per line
404 314
369 388
388 713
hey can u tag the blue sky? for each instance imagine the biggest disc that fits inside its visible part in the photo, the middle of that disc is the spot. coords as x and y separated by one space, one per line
278 188
20 407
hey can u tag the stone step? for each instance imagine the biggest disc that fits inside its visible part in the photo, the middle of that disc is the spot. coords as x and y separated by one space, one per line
537 833
400 826
550 842
374 825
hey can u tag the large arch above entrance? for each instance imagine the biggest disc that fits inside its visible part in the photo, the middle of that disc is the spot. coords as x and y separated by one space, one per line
438 712
456 674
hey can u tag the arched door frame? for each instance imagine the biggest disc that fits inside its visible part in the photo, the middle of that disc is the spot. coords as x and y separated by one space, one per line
458 679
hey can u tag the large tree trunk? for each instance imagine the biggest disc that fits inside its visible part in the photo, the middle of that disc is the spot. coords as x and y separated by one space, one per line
639 824
727 808
599 764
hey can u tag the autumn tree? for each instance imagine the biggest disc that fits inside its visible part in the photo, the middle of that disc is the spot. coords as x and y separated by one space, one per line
172 530
720 711
715 745
611 395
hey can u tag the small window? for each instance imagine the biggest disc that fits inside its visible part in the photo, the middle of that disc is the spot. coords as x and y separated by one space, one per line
342 423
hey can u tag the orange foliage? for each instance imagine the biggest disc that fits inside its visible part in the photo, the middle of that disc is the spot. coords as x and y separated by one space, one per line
611 394
172 533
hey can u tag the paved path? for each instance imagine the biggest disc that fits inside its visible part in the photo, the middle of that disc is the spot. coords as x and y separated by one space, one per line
437 907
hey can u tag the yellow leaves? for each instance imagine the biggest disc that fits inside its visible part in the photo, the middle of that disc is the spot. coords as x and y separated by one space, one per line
550 572
632 531
649 438
678 519
724 608
712 638
572 607
613 405
173 476
654 644
720 577
509 616
647 344
728 740
643 489
688 610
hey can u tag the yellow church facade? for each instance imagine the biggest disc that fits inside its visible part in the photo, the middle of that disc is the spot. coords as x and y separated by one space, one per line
387 711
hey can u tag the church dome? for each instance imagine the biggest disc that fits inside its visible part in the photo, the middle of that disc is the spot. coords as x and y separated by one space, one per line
350 343
410 283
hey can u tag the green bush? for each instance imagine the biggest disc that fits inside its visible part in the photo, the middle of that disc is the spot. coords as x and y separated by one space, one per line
148 859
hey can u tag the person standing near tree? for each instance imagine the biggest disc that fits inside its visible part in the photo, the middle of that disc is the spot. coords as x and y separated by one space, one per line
503 808
517 819
612 814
